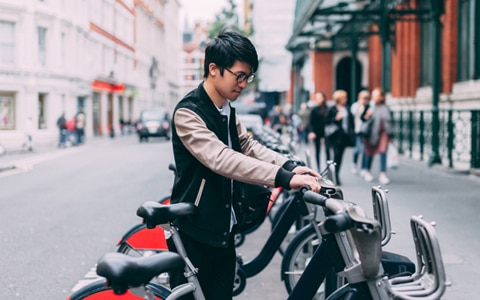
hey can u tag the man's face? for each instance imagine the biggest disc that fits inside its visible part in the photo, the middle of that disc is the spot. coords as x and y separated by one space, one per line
227 85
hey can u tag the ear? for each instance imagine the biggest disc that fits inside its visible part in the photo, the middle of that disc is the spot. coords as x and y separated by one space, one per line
213 69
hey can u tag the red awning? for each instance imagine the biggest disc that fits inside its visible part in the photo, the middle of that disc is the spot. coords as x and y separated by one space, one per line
103 86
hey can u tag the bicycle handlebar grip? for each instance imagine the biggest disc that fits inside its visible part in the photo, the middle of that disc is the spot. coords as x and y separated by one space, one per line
338 222
314 198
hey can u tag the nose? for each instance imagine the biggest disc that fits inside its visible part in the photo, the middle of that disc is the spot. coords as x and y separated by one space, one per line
243 84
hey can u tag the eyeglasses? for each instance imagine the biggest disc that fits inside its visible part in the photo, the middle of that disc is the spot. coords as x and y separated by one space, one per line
241 77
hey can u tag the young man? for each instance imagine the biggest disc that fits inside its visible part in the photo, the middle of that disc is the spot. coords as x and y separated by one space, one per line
213 154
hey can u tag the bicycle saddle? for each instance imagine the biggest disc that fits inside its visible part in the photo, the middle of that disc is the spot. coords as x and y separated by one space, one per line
123 271
154 213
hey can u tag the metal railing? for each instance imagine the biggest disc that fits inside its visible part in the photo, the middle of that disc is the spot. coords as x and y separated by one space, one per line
459 134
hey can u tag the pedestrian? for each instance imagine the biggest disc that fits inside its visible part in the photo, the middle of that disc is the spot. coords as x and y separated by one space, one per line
340 117
304 115
80 126
214 157
357 109
274 116
71 132
316 127
381 134
62 131
28 142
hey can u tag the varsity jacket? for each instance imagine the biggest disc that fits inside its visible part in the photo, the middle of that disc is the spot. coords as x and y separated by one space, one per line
206 165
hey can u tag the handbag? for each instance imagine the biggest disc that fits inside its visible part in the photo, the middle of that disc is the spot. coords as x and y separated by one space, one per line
366 128
331 130
252 203
392 156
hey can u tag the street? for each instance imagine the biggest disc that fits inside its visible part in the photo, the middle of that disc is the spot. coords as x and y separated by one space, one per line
58 218
68 207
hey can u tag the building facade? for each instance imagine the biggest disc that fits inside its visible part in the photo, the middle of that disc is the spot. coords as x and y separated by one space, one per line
192 56
109 58
272 25
424 53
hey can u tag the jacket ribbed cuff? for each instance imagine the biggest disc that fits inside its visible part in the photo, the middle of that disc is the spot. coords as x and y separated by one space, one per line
283 178
289 165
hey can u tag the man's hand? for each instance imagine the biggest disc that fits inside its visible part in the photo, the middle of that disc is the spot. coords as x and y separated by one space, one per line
298 181
302 170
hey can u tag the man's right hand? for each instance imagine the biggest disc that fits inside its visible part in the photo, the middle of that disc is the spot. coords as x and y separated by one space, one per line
298 181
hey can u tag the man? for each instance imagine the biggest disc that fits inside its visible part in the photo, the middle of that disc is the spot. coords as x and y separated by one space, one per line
213 153
62 127
80 126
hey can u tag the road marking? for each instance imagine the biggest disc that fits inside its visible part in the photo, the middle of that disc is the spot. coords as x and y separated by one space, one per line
90 277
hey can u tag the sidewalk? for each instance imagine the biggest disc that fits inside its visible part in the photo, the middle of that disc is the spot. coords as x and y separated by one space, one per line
20 159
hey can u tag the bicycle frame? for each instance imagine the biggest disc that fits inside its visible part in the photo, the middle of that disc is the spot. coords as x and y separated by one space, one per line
296 207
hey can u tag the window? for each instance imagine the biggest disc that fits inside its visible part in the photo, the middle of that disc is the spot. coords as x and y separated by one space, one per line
7 112
42 45
42 109
468 40
63 50
7 42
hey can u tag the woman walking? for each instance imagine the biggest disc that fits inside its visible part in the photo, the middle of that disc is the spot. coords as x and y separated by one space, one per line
340 118
380 135
316 126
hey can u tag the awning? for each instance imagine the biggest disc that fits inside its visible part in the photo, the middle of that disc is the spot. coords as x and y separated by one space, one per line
332 24
105 86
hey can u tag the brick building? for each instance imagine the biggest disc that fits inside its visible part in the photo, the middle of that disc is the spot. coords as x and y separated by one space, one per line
424 53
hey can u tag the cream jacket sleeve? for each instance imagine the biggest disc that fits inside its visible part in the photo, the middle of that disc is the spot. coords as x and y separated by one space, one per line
257 164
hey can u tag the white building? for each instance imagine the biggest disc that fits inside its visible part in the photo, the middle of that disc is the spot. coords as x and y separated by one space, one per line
192 57
272 24
111 58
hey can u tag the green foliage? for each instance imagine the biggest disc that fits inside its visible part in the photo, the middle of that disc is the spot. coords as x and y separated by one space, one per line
227 18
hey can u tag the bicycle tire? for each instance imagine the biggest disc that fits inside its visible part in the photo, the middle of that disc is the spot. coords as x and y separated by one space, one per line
297 257
98 290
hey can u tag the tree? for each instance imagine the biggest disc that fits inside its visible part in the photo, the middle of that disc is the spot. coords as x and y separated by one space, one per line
227 18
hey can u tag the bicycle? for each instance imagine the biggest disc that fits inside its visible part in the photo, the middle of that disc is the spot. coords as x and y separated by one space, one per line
301 249
131 277
352 246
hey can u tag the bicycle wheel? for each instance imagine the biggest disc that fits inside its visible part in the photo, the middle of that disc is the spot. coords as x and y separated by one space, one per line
98 290
292 232
297 256
140 239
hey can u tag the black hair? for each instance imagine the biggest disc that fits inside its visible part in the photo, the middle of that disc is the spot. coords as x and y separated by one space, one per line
228 47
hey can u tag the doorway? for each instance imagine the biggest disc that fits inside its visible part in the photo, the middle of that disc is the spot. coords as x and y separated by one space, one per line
344 77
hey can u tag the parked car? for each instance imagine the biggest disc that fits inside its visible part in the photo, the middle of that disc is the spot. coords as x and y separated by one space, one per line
153 123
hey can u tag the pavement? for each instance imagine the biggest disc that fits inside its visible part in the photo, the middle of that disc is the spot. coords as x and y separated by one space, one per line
16 160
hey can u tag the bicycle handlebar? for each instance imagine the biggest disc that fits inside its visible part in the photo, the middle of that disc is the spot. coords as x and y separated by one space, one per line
338 222
344 215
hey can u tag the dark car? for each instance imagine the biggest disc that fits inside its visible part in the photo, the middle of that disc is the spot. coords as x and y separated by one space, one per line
153 123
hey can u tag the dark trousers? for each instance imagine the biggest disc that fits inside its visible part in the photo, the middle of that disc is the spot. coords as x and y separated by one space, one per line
318 149
338 150
216 268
